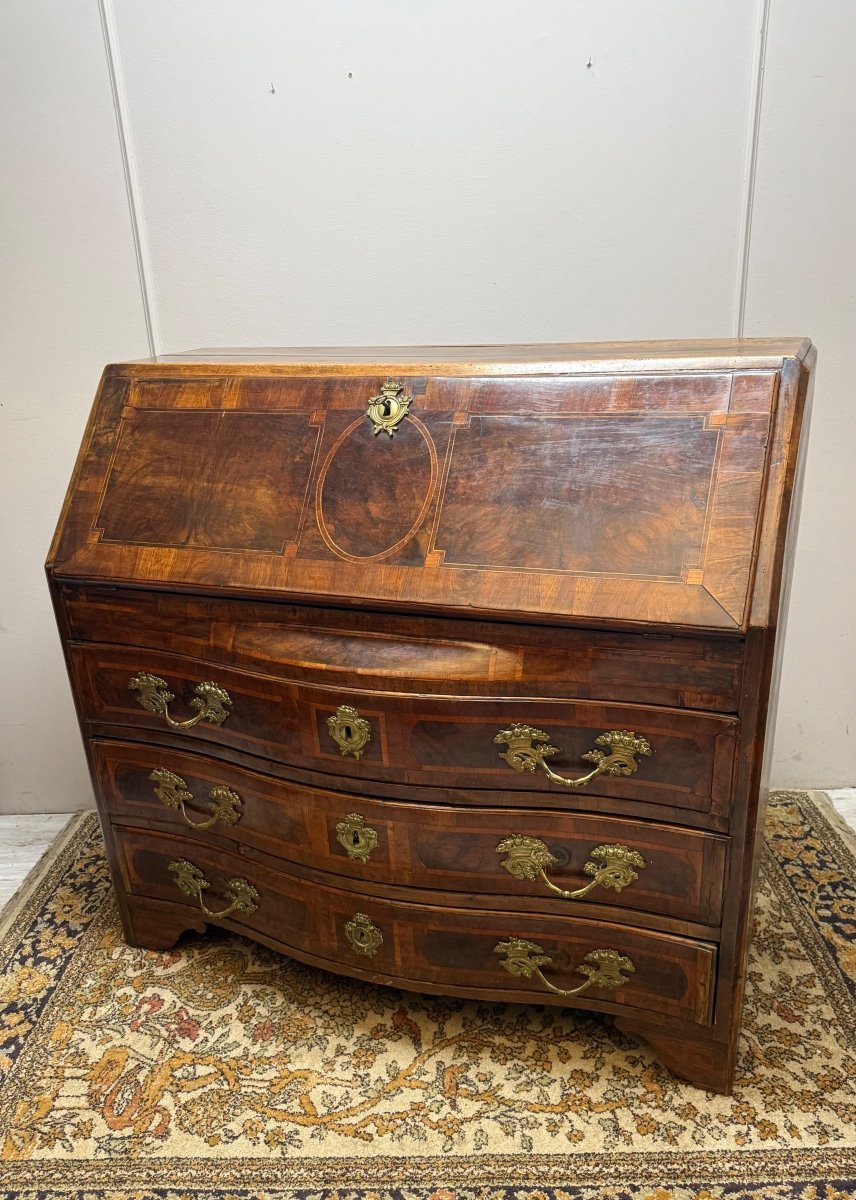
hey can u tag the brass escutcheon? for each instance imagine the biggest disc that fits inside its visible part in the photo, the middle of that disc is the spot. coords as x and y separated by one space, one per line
388 409
212 701
351 732
188 877
529 857
173 792
356 838
603 968
364 937
529 747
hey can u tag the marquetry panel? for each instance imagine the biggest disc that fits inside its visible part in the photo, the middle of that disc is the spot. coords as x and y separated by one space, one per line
207 480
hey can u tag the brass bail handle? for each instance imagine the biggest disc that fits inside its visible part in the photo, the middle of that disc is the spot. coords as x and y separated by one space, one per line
529 747
173 792
605 969
211 701
189 879
612 866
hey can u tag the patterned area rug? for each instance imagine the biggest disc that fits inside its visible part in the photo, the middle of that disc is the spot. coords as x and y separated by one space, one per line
221 1070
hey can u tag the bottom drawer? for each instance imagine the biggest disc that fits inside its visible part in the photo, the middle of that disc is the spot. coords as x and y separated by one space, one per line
501 956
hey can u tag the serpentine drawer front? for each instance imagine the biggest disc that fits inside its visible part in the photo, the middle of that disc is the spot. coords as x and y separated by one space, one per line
639 753
362 934
549 861
444 668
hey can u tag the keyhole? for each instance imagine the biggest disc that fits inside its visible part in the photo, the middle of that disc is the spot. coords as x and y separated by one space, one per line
356 838
346 731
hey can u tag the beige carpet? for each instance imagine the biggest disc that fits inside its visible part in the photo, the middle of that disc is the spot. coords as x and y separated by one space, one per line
222 1070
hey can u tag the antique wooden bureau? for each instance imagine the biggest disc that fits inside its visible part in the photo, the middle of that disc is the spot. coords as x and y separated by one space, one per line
446 668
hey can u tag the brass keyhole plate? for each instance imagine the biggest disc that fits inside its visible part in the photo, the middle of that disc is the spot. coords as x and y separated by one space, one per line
364 937
356 838
351 732
387 410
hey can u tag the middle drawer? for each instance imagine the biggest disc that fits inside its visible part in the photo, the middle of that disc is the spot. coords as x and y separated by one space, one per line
560 858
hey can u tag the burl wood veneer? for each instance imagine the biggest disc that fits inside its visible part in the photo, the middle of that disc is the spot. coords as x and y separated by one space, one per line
448 668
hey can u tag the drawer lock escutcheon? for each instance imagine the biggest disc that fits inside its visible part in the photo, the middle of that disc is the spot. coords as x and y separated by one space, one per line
351 732
388 409
612 866
606 969
356 838
173 792
363 936
529 747
211 701
241 894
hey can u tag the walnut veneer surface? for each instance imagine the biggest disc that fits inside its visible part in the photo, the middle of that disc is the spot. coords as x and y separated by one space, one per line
448 668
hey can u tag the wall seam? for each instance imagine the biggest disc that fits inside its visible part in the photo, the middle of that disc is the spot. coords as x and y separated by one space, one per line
750 167
129 167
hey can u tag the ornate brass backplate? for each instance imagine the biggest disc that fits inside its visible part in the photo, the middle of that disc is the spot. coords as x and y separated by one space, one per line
153 694
351 732
356 838
528 858
173 792
387 410
529 747
363 937
188 877
602 968
522 957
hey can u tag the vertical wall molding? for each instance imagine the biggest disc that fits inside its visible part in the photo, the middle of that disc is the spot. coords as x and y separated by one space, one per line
129 167
750 164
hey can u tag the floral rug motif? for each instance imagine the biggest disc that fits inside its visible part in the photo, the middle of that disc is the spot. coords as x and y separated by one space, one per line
222 1070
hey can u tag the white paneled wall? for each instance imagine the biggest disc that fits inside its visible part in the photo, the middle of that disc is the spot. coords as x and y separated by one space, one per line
443 171
803 276
70 302
321 171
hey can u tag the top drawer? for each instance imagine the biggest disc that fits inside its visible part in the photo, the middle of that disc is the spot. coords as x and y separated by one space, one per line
431 655
675 759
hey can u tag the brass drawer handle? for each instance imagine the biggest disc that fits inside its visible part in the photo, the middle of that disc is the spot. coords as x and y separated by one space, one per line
351 732
528 858
243 896
363 937
356 838
173 792
620 759
212 701
603 968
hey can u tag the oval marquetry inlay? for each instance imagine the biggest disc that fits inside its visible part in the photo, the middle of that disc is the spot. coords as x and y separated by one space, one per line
373 494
